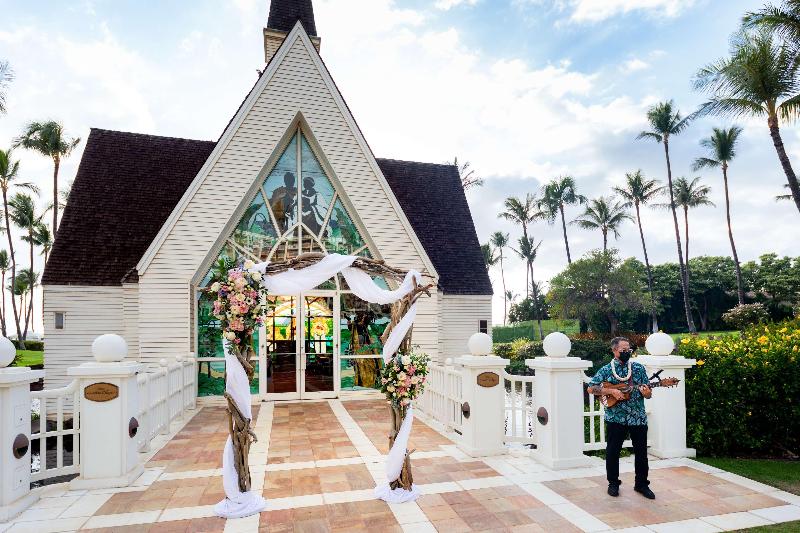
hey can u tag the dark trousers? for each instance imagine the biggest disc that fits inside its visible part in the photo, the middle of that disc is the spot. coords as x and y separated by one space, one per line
615 435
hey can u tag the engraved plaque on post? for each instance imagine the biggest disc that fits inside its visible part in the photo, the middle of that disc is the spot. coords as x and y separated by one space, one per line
488 379
101 392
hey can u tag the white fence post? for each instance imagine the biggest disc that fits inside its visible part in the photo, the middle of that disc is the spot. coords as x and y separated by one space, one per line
109 404
15 434
559 405
483 394
166 408
192 391
667 420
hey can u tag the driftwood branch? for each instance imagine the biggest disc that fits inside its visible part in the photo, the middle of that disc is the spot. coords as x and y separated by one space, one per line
242 437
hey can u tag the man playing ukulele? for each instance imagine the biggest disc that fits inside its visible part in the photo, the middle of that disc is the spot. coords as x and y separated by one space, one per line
626 416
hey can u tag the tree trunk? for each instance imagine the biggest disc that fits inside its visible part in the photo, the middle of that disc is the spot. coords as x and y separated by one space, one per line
684 280
775 133
505 299
406 479
536 310
605 241
3 289
564 228
13 270
56 164
686 233
649 270
29 311
739 284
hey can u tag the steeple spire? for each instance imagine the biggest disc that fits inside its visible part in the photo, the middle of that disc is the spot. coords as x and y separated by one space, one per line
283 15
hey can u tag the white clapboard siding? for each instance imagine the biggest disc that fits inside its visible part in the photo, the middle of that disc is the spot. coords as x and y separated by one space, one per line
130 317
89 311
460 317
296 86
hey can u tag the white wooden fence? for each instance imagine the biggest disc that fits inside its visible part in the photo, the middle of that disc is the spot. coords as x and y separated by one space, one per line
520 413
441 401
165 392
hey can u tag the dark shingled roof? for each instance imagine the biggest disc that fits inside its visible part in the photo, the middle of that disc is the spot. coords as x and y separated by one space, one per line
434 202
284 14
128 184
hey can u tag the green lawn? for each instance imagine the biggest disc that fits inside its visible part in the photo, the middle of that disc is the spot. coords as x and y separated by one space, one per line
782 474
703 334
786 527
29 358
530 329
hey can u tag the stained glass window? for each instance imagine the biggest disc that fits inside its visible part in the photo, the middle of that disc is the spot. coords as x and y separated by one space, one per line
281 188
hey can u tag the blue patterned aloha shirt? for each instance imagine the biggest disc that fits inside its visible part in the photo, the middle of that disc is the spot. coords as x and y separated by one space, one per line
630 412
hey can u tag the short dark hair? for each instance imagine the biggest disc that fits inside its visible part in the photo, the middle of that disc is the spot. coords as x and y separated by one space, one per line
616 340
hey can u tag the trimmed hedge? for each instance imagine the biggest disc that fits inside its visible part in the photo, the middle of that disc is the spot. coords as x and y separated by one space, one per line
35 346
742 396
594 350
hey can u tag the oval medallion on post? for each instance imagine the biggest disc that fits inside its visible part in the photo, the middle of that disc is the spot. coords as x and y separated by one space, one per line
20 446
101 392
488 379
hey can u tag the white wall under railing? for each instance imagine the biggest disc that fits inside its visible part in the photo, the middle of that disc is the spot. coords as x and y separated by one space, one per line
443 401
50 421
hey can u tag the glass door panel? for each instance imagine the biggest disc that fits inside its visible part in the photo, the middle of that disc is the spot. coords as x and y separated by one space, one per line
319 343
280 330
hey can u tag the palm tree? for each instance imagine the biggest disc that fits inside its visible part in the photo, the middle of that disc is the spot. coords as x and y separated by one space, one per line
489 259
605 214
782 197
721 147
24 216
559 192
468 177
499 240
49 139
639 191
688 195
8 179
522 212
6 75
30 280
43 238
759 79
782 21
528 249
63 198
666 121
4 266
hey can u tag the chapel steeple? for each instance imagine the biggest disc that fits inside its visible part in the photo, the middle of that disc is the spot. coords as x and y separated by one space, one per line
283 15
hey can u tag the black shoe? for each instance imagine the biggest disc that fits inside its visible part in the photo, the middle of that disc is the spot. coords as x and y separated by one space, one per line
646 492
613 490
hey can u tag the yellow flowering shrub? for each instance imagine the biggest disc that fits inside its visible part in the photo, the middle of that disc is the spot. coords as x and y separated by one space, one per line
744 394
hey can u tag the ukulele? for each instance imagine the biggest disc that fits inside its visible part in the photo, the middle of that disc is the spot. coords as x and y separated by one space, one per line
610 401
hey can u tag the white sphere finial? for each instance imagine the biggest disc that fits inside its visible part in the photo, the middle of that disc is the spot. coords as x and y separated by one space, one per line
659 344
480 344
109 348
557 344
7 352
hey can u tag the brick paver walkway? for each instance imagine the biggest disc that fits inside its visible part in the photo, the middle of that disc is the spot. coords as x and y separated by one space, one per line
318 462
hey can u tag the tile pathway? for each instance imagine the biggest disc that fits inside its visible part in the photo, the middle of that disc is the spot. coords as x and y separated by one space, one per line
317 463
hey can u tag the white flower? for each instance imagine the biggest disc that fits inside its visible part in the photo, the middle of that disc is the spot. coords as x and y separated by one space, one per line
256 276
401 376
406 360
249 264
215 286
390 388
415 379
230 335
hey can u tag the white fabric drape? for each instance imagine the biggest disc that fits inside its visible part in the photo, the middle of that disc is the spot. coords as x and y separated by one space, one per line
292 283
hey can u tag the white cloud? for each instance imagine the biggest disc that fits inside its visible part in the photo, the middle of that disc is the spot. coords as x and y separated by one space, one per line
634 65
591 11
449 4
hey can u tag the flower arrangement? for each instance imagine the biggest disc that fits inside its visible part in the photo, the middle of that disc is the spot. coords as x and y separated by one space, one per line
403 378
238 297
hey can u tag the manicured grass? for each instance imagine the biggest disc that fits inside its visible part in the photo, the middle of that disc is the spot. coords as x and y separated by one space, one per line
786 527
530 329
703 334
29 358
779 473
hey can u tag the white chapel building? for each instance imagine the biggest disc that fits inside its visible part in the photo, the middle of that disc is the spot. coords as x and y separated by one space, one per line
149 217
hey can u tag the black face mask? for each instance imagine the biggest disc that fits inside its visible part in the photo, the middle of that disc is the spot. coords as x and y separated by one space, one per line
625 356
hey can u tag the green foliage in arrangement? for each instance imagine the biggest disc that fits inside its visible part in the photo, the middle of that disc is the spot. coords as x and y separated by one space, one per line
742 395
745 315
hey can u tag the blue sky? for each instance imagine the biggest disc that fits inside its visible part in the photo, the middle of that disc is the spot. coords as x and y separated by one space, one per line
524 89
